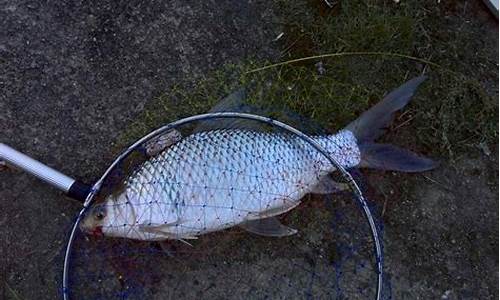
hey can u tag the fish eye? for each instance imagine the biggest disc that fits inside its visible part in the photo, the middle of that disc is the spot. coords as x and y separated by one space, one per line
99 213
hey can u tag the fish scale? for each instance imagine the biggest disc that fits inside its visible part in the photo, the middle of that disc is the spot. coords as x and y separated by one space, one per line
217 179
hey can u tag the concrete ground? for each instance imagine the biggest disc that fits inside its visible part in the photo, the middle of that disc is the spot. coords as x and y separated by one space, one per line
74 75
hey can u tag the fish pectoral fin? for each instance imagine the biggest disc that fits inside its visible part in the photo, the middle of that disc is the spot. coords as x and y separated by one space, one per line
186 242
188 237
329 186
155 229
162 229
268 227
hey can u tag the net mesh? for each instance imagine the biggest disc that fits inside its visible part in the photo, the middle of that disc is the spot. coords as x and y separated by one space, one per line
204 187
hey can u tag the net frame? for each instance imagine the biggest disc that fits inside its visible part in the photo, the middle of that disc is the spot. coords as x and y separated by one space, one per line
228 115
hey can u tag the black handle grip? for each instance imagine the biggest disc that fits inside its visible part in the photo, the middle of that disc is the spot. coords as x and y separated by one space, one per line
79 191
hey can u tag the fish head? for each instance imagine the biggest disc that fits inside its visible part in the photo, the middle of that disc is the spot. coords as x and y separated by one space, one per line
112 217
95 218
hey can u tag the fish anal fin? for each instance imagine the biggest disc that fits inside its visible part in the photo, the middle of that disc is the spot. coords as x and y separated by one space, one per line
327 185
164 230
270 227
155 229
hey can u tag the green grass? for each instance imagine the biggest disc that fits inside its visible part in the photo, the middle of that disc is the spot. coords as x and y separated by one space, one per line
450 114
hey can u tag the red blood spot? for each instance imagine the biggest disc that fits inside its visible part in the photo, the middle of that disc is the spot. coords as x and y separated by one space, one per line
97 231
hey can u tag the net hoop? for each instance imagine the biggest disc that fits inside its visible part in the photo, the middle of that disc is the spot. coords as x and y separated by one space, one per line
227 115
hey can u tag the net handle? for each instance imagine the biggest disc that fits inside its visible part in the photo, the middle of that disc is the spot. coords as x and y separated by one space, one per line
68 185
227 115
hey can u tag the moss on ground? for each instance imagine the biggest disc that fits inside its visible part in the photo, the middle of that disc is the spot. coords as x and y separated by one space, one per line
450 114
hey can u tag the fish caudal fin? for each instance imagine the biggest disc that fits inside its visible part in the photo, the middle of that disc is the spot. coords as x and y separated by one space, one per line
389 157
373 123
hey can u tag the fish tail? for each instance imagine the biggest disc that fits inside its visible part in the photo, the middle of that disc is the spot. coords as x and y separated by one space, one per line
374 122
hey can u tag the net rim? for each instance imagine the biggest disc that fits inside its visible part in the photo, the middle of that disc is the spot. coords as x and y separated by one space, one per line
227 115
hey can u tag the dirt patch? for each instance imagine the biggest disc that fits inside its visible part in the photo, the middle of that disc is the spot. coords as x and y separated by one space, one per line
441 237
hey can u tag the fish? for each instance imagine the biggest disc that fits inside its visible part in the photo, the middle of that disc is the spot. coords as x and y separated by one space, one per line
220 178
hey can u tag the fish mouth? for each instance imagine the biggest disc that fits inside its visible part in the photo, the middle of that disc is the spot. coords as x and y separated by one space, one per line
96 231
91 229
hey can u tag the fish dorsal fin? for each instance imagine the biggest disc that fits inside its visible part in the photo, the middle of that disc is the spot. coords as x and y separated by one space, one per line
258 104
234 102
271 227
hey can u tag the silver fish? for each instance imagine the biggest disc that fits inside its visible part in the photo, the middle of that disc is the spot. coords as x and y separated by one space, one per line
217 179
